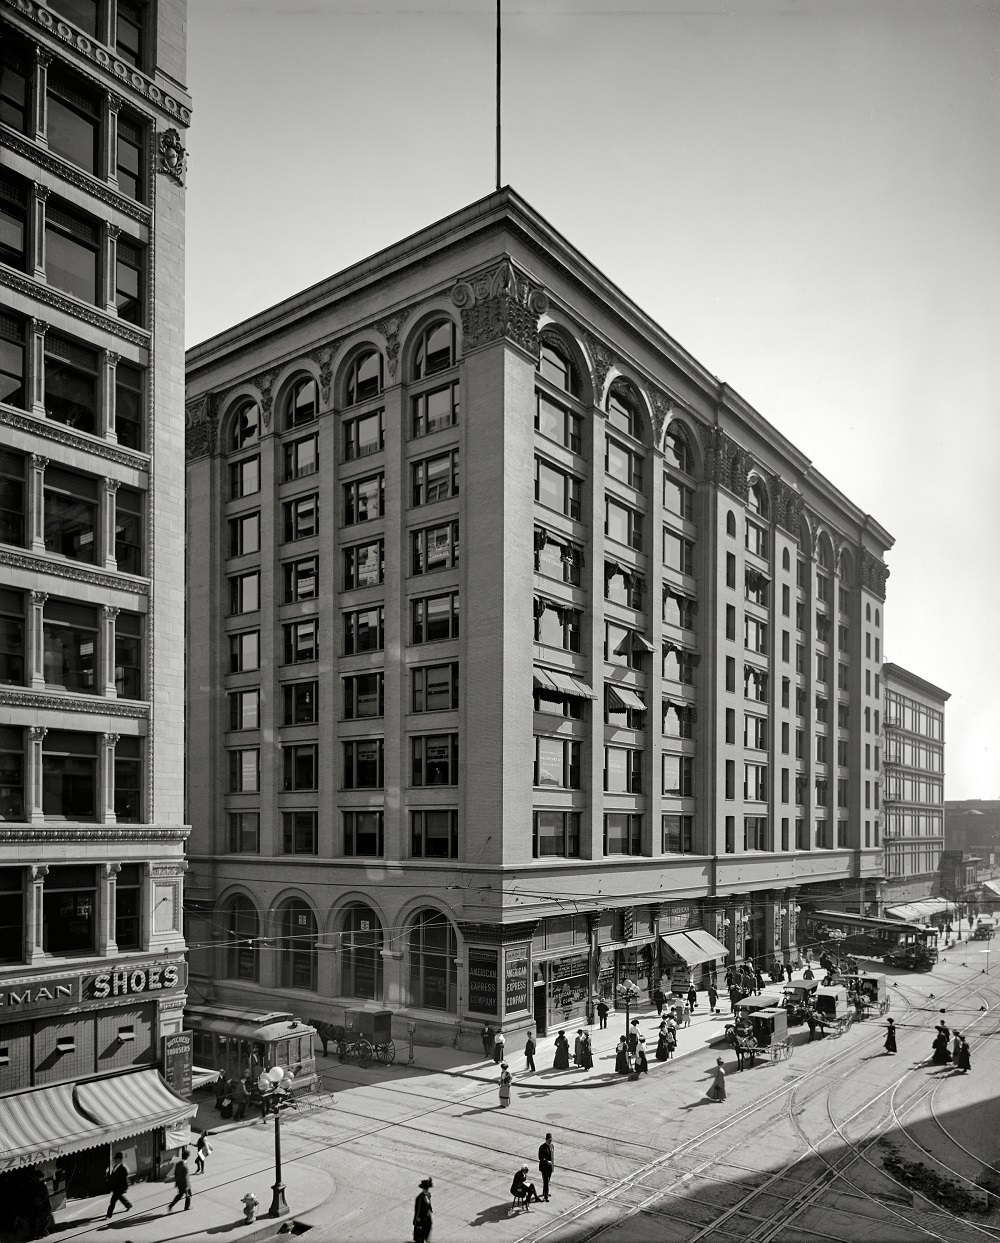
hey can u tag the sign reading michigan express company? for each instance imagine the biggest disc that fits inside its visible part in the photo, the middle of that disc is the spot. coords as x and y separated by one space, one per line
516 979
483 981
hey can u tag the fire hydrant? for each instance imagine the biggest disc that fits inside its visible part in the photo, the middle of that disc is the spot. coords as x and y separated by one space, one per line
250 1206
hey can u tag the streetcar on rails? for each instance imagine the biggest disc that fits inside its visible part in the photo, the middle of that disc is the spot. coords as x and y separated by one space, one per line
843 934
245 1042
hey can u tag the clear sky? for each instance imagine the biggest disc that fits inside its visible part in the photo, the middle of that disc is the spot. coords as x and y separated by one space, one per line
804 193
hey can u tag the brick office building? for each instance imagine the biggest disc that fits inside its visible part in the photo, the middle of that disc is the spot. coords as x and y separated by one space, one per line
92 967
525 656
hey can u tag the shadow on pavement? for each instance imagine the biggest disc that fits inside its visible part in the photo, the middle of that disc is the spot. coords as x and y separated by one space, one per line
490 1216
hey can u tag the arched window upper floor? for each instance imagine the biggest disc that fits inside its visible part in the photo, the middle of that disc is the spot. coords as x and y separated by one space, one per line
678 450
299 402
625 410
365 377
556 364
244 425
758 501
436 349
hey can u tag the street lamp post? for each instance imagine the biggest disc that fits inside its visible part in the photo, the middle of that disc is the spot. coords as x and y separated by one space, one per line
628 992
279 1206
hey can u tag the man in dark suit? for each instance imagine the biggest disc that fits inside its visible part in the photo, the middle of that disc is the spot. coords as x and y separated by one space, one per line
118 1184
546 1163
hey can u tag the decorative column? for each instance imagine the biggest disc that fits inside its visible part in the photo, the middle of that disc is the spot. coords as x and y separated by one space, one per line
106 942
107 649
108 24
37 227
40 96
789 930
36 640
36 734
106 794
111 234
109 507
36 367
394 994
327 984
36 894
109 139
108 412
36 502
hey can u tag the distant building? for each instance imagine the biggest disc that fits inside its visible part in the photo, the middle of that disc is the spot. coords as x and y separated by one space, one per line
92 955
913 783
524 655
972 825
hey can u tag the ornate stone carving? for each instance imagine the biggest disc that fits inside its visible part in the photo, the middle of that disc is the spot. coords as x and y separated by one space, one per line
39 597
42 16
728 463
37 733
390 328
169 869
265 385
70 306
41 191
111 870
200 427
787 507
172 156
66 172
874 573
78 573
500 304
61 435
663 408
112 230
602 360
323 358
14 697
114 101
21 834
39 871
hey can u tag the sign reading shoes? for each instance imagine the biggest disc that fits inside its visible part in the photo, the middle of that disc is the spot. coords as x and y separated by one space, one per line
61 992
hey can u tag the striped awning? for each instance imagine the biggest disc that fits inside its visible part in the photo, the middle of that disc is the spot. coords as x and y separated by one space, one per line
620 699
693 946
69 1117
556 682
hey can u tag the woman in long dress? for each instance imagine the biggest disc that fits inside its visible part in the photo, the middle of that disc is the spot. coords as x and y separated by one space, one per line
661 1045
964 1061
670 1040
941 1056
621 1058
890 1036
641 1064
505 1081
561 1061
586 1052
717 1092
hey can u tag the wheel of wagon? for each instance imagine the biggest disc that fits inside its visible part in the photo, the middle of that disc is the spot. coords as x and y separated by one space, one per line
343 1052
386 1053
785 1050
365 1054
883 1006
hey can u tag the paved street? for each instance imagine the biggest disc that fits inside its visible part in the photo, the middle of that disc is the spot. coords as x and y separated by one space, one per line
795 1153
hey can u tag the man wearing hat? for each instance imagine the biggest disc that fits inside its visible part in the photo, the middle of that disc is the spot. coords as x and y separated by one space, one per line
521 1187
423 1213
546 1162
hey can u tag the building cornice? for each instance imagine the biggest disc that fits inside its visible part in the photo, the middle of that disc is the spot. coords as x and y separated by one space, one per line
91 834
896 673
61 569
44 429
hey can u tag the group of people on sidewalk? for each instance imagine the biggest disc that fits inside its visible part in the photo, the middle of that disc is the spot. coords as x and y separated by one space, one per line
118 1176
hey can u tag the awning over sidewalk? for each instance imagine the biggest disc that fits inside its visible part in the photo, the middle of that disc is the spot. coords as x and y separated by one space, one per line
69 1117
694 946
993 886
914 912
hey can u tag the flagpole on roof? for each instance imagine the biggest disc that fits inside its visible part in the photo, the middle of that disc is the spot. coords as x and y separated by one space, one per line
498 94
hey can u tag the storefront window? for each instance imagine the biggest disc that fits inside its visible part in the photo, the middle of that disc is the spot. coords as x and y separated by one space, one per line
433 974
362 950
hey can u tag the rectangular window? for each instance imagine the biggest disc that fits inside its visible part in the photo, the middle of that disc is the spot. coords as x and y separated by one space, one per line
756 587
244 709
730 621
435 478
786 601
300 766
557 489
623 464
730 673
364 835
16 72
623 586
244 592
557 558
435 548
129 412
755 834
434 834
555 834
244 477
730 569
755 683
70 514
363 764
434 760
678 610
822 709
823 587
12 639
299 702
129 32
69 910
556 626
822 668
622 834
244 771
244 535
128 788
129 531
364 565
301 640
678 720
300 518
755 732
364 630
299 835
72 249
129 282
678 775
755 783
756 539
436 409
364 435
73 122
364 499
754 635
70 653
11 787
11 362
72 383
678 552
678 665
821 748
69 775
557 763
128 655
130 165
557 422
678 498
622 646
568 707
244 832
300 457
434 688
300 580
363 696
244 651
622 770
435 617
622 523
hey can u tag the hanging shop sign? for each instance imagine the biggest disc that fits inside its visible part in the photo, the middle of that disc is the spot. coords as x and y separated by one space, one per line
178 1060
482 981
515 980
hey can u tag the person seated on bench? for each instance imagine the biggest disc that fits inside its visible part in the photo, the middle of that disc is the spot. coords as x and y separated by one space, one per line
521 1189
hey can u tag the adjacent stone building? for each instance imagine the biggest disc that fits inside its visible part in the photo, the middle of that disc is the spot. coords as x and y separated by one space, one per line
92 962
525 656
